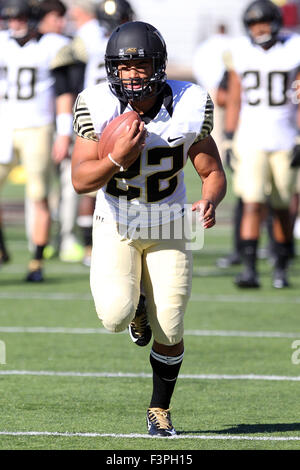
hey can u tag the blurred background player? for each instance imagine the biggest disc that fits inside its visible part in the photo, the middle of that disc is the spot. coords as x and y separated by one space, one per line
52 16
262 70
88 47
208 70
64 202
234 258
93 24
31 95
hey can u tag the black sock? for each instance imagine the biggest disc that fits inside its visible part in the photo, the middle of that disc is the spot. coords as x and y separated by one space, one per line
87 234
283 251
39 250
165 373
249 250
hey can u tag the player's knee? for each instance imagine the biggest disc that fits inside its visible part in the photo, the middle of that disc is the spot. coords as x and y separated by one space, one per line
168 338
169 334
252 207
36 190
116 314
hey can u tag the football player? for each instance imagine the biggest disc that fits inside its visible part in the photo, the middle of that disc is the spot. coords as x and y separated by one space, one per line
264 69
53 19
142 178
28 61
88 48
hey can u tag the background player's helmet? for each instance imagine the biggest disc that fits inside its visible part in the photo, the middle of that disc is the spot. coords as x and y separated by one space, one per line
263 11
112 13
136 40
20 8
28 10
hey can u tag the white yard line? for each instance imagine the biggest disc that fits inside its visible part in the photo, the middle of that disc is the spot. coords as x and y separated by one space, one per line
44 296
142 375
227 437
194 298
101 331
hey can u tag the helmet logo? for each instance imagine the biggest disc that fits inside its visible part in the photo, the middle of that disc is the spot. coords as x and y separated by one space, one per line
254 14
131 50
11 12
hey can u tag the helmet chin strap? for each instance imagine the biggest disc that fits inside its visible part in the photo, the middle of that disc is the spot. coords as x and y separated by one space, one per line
262 39
136 94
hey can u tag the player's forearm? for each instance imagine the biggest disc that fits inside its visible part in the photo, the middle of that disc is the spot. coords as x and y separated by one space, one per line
64 103
92 175
214 187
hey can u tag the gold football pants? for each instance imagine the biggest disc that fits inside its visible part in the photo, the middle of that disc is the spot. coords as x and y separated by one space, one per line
118 266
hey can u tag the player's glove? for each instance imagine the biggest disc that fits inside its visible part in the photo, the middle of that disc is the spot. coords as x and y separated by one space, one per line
295 157
228 149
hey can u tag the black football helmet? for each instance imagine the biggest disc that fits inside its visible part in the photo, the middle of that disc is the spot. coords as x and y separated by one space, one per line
261 11
112 13
28 9
136 40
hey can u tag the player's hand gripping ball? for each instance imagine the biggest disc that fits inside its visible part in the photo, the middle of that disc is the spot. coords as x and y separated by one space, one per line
113 130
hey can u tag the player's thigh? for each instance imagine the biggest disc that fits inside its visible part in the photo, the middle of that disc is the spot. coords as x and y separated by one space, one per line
252 174
114 276
284 179
35 146
167 280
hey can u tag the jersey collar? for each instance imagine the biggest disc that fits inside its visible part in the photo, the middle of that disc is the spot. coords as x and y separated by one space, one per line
164 98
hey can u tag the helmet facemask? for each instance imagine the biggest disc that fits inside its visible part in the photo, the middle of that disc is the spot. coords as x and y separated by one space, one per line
136 89
266 39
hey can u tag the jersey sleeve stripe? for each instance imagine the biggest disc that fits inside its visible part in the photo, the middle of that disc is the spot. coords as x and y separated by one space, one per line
82 121
208 122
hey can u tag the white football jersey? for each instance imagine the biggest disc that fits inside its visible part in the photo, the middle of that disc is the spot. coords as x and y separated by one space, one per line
89 46
156 178
26 82
268 108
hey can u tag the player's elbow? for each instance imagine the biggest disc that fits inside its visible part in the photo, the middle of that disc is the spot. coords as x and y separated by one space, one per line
78 186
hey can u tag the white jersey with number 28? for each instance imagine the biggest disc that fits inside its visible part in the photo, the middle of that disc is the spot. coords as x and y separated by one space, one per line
26 83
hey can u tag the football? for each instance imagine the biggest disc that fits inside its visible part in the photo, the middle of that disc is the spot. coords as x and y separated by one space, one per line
113 130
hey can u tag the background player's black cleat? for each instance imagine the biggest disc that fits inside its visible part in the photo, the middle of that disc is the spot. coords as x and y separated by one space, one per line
231 260
35 272
247 279
280 279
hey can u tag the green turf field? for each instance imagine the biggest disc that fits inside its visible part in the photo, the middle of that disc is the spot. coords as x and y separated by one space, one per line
67 384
